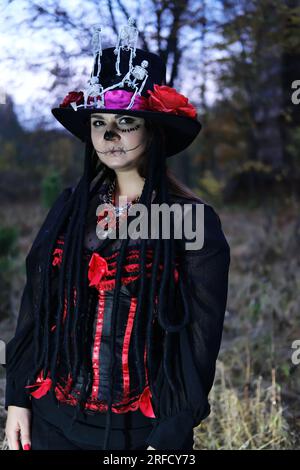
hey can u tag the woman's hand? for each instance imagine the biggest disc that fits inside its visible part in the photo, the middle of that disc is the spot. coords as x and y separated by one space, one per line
150 448
18 427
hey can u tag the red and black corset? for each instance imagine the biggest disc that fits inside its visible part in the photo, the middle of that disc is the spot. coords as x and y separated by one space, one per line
101 276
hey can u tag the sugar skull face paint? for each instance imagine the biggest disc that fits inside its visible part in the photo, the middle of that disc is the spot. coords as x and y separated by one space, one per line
119 140
131 129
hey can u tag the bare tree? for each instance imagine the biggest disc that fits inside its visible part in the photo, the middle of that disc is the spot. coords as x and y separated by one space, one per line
68 33
174 29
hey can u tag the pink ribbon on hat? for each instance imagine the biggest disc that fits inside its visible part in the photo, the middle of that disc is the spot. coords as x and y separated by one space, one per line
120 99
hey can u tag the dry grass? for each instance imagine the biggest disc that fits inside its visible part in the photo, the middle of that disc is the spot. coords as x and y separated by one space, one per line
241 420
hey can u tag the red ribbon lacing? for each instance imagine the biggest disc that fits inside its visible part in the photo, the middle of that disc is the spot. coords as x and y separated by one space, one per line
43 385
145 403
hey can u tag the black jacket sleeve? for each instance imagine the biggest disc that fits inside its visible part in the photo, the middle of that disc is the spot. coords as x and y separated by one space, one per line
19 355
19 350
204 276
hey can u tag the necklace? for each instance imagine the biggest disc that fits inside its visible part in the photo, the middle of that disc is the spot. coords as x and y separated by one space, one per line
117 214
109 198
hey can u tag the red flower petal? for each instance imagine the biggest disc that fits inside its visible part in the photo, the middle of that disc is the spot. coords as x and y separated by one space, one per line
72 96
166 99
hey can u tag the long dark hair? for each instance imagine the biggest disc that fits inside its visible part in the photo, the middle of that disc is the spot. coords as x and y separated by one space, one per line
73 339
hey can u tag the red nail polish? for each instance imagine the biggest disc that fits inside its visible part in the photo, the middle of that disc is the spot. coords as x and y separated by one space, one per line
27 447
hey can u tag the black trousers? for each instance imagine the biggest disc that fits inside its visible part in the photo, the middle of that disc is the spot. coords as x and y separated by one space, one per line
46 436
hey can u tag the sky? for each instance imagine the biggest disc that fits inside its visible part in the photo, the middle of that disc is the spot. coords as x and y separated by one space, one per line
27 87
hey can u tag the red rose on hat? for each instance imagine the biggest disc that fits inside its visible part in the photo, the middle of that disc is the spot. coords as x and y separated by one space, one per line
72 96
168 100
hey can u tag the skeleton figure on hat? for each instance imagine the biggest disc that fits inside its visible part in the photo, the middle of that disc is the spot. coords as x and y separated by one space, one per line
94 90
127 40
119 333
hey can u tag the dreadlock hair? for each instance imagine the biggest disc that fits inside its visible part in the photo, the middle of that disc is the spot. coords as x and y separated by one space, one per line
74 338
73 219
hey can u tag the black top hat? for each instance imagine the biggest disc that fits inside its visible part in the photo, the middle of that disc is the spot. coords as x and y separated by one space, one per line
131 81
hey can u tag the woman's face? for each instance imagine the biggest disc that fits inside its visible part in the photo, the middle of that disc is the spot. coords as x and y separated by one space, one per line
119 140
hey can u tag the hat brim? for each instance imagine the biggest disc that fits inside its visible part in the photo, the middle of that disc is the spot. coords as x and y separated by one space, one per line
180 130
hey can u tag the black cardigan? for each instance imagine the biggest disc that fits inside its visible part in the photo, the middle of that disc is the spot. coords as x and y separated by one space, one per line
204 273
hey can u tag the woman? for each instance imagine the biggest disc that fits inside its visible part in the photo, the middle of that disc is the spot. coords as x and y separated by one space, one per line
117 337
